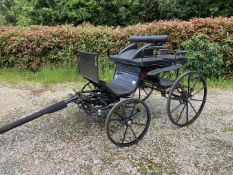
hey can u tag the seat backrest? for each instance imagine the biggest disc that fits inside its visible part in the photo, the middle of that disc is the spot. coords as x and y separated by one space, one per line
88 65
127 74
156 39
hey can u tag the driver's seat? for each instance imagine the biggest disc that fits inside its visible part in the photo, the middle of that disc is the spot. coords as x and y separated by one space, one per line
124 82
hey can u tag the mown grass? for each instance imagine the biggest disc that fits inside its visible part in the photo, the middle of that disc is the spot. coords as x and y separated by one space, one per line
45 75
64 74
61 74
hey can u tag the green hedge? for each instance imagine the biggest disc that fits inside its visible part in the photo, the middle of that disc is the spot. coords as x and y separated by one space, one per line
36 46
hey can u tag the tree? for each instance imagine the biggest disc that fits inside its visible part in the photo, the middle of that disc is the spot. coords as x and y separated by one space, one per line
111 12
6 15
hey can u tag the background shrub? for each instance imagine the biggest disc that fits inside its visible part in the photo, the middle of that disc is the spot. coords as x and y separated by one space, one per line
36 46
206 56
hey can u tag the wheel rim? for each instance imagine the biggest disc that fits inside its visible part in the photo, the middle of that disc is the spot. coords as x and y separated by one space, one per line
187 98
128 122
142 92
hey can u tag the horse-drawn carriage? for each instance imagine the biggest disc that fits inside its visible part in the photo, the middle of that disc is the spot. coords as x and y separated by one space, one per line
140 69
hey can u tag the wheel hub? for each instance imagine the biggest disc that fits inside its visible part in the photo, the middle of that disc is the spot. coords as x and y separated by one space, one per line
185 96
129 123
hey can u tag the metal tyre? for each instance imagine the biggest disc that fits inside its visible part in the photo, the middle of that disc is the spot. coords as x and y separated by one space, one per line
127 122
186 98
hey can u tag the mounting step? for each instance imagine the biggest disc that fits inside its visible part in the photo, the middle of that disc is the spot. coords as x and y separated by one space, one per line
166 83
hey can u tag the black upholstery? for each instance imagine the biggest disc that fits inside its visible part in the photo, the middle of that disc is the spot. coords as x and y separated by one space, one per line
149 39
88 65
120 88
125 80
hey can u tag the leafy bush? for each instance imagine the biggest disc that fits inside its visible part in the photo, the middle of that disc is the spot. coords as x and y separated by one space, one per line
36 46
206 56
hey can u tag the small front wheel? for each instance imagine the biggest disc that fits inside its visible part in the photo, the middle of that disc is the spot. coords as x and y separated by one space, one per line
186 98
127 122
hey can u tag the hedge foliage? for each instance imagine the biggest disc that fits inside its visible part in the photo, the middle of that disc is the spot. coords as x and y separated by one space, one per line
36 46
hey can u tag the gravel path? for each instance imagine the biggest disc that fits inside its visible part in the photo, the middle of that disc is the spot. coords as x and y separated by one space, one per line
68 143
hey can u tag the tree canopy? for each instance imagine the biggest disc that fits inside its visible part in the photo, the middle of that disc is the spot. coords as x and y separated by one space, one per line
102 12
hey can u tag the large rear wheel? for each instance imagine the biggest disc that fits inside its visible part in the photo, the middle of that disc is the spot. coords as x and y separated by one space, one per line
187 98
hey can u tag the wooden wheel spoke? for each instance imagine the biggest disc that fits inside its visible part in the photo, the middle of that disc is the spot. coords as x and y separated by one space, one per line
133 109
119 115
133 132
195 99
124 134
121 127
140 124
135 114
187 113
145 91
133 94
123 111
176 108
180 114
120 120
193 108
198 91
189 77
195 83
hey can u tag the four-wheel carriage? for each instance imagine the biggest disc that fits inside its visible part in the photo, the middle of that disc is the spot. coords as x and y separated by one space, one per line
139 71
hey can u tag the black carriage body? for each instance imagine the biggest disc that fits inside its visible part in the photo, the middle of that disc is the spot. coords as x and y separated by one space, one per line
135 64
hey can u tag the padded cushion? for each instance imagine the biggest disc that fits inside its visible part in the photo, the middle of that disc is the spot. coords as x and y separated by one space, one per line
149 39
120 88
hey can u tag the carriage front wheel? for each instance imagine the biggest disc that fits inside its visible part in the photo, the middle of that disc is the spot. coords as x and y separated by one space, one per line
127 122
186 98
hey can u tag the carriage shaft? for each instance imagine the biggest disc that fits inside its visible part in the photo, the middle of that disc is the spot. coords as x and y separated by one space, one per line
50 109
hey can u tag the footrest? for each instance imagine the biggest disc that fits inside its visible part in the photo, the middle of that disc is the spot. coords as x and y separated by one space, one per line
166 69
166 83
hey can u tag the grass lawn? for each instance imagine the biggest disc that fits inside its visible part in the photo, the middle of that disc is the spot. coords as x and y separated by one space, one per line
49 75
70 74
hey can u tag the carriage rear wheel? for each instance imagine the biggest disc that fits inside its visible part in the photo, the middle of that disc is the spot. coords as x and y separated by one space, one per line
187 98
128 122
